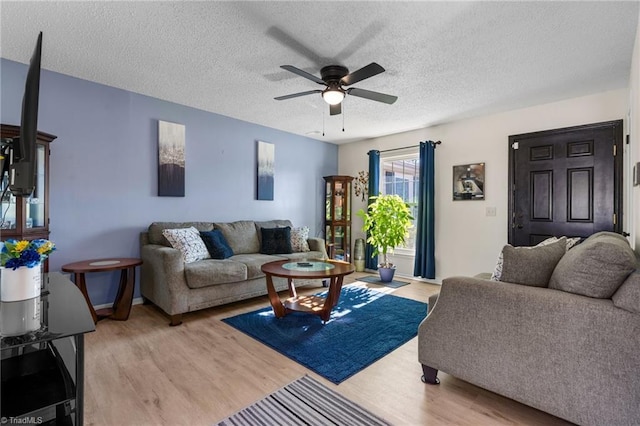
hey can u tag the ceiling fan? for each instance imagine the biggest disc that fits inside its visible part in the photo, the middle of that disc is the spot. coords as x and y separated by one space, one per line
334 77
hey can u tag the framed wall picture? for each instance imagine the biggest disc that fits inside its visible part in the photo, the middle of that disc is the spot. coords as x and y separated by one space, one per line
171 140
468 182
266 170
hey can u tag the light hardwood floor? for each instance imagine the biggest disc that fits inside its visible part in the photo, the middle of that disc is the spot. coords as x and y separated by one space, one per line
143 372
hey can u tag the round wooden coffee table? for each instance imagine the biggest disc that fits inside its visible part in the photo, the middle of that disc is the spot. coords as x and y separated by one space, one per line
313 269
122 305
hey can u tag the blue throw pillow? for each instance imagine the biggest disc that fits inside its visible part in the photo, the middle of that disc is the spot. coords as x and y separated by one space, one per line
276 240
217 244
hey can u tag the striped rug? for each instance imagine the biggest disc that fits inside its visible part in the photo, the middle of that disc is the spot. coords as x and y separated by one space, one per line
304 402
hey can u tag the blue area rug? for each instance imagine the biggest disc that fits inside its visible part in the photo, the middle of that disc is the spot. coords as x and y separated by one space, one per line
365 326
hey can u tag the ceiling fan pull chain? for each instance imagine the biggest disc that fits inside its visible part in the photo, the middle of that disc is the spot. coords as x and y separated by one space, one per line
322 121
343 116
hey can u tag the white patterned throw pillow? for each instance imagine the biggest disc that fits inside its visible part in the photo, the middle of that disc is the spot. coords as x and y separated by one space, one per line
299 237
189 242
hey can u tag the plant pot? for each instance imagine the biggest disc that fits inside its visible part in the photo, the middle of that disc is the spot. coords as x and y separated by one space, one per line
386 274
20 284
358 255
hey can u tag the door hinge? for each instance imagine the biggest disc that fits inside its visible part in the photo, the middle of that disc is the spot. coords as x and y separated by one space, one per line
615 150
615 219
515 145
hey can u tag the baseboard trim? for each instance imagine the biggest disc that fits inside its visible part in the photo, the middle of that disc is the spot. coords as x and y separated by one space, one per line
136 301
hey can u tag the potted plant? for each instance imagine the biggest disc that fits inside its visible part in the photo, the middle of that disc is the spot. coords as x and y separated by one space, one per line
387 220
20 263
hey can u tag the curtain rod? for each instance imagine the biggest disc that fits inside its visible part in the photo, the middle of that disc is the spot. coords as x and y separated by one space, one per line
413 146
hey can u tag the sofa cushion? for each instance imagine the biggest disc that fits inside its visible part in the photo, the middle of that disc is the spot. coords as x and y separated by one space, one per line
276 223
532 266
304 255
627 296
205 273
254 262
156 228
188 241
241 236
216 244
607 234
497 271
299 237
595 268
276 240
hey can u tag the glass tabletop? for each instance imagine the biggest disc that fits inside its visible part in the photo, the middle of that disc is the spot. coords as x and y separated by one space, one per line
60 311
313 266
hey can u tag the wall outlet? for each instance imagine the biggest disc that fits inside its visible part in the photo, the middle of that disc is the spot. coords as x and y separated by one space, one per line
491 211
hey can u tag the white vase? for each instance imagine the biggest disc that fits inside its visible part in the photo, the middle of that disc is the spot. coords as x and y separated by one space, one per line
21 317
20 284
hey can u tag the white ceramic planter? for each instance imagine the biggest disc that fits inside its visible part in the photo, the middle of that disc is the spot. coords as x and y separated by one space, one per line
20 284
18 318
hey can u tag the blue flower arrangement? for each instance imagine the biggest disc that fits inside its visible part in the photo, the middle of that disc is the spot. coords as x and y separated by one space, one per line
15 254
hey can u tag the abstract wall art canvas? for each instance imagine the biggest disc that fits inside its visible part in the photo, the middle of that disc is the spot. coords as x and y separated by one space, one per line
171 141
266 170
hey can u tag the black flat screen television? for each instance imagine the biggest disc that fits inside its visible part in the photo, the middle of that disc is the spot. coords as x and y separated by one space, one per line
22 150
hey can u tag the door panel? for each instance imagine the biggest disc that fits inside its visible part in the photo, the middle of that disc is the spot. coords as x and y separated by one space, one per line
565 182
542 195
580 197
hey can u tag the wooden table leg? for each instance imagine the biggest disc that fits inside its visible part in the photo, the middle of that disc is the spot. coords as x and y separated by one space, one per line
278 308
292 288
82 285
122 304
335 287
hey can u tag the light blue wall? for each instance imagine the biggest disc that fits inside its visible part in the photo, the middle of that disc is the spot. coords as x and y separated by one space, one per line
104 169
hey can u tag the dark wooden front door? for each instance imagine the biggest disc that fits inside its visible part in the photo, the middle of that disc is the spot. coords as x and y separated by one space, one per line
565 182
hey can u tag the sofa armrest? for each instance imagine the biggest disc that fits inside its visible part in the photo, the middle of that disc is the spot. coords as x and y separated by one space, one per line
317 244
516 340
162 278
432 302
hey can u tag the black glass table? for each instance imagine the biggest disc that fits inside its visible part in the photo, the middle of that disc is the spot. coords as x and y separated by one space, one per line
42 374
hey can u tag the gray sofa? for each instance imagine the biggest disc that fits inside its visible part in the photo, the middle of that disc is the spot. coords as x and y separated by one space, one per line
571 348
178 287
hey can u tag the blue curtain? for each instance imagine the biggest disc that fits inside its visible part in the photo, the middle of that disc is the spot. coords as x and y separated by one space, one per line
425 260
374 185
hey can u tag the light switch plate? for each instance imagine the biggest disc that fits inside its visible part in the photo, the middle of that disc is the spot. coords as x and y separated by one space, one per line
636 174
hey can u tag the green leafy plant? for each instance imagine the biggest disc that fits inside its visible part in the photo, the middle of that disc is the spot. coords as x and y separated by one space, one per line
387 220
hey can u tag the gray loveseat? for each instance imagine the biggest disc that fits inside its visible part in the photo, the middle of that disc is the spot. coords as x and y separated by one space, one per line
571 348
178 287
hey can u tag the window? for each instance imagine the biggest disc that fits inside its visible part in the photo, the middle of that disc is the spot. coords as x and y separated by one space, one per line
400 175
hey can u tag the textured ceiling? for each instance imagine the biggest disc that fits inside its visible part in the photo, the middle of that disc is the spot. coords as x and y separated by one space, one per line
444 60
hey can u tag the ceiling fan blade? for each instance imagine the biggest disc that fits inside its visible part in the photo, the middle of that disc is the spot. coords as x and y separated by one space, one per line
335 109
374 96
302 73
359 75
295 95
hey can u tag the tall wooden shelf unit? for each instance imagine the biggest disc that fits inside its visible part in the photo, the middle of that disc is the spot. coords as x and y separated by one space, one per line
337 219
26 218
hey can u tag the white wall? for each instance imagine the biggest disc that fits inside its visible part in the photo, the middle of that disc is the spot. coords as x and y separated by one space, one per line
634 131
468 241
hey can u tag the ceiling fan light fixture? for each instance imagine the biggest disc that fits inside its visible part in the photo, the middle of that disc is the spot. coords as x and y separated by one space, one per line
333 96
